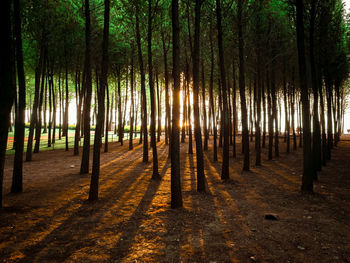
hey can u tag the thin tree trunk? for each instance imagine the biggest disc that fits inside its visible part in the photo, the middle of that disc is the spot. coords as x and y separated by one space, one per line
61 108
50 108
258 112
270 115
38 124
211 94
245 135
293 111
166 84
45 100
155 174
54 113
131 132
316 138
143 87
106 120
197 127
66 109
87 89
274 111
93 193
329 119
120 120
79 99
234 105
205 125
159 108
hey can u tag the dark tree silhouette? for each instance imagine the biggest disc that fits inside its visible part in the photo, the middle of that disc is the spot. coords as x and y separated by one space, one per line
176 195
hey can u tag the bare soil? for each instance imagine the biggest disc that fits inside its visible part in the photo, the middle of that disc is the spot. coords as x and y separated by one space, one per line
51 221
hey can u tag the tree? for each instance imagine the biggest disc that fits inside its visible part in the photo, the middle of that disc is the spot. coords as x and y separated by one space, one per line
176 195
245 132
197 127
155 174
307 179
17 178
225 156
87 89
93 194
7 88
143 86
132 113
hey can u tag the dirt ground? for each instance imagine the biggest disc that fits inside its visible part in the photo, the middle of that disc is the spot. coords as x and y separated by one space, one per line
51 221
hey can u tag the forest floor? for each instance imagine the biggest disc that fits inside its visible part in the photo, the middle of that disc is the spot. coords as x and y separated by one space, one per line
51 221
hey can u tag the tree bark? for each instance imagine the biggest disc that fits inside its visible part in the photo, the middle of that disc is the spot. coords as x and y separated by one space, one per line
17 176
245 135
8 90
131 132
307 179
197 126
176 195
155 174
143 88
87 89
93 194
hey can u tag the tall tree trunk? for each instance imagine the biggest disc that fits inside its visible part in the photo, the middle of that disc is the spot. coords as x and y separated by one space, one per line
39 120
87 90
220 113
329 118
17 176
270 115
106 120
250 111
176 195
211 95
155 174
54 108
8 90
143 87
125 103
205 126
93 194
307 179
45 100
286 112
274 111
120 119
263 95
159 108
293 111
316 138
225 156
60 104
245 135
50 80
79 99
131 132
184 115
234 106
258 112
197 125
190 139
66 109
166 84
323 124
